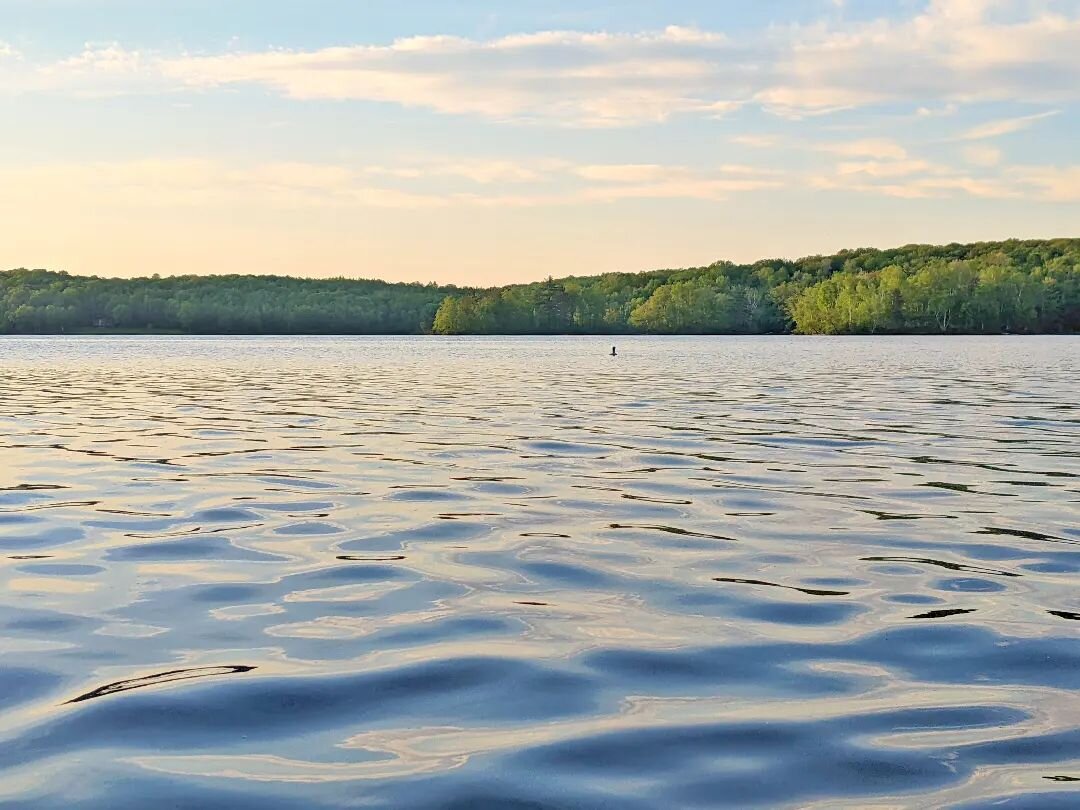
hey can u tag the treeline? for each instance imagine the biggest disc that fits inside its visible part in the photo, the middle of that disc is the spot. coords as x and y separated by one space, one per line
37 301
992 287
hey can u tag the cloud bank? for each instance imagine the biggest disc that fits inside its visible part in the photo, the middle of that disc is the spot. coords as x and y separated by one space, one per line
951 52
140 185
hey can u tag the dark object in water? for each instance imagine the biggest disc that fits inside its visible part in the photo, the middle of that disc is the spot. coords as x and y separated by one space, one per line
161 677
613 352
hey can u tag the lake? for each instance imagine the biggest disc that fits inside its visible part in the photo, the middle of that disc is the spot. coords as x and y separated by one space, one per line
517 572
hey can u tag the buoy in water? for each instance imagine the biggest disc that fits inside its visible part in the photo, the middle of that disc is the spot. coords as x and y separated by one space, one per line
613 352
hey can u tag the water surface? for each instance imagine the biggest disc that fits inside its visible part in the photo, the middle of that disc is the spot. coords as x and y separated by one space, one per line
463 573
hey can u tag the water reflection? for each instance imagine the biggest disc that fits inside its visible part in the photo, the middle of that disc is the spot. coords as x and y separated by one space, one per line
160 678
808 591
727 572
942 614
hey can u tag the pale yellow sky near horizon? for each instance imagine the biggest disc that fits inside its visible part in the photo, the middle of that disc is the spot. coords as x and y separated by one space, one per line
91 231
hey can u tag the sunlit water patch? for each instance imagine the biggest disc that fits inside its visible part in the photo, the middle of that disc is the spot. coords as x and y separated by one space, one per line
439 573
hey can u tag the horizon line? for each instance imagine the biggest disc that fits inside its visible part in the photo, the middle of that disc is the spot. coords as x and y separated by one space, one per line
370 279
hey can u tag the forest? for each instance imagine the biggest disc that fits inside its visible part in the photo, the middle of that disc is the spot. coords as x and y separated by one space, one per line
39 301
1013 286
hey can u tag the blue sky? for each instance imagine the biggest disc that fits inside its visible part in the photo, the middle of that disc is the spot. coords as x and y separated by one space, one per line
483 142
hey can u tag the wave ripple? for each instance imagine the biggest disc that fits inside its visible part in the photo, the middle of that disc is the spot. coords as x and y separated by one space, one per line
519 573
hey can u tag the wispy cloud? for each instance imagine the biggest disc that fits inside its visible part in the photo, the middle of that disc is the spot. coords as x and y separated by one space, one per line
173 183
922 187
630 173
756 141
483 172
887 168
937 112
1054 183
878 148
982 155
916 178
177 183
655 181
1005 126
690 188
436 183
579 78
951 53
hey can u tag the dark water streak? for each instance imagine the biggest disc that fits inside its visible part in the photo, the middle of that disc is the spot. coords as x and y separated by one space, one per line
423 573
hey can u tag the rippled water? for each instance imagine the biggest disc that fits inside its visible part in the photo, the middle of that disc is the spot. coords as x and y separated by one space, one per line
417 572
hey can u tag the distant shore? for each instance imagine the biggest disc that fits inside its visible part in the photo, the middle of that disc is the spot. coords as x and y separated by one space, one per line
1010 287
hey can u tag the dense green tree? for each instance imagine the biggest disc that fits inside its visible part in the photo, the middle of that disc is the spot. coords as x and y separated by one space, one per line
684 307
982 288
1013 286
41 301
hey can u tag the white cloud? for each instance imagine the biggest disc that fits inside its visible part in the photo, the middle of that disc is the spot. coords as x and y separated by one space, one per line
947 54
699 188
483 172
742 170
172 183
99 59
973 186
99 70
950 53
180 183
886 168
659 181
877 148
920 187
1005 126
195 185
917 179
628 173
939 112
588 79
982 155
756 141
953 52
1053 183
963 11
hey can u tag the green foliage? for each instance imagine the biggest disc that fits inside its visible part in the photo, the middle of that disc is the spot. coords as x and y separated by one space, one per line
45 302
990 287
684 307
989 294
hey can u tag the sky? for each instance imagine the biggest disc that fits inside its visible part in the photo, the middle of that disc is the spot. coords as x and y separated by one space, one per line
485 142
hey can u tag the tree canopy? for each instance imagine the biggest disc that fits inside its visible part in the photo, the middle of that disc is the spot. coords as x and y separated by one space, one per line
989 287
47 302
